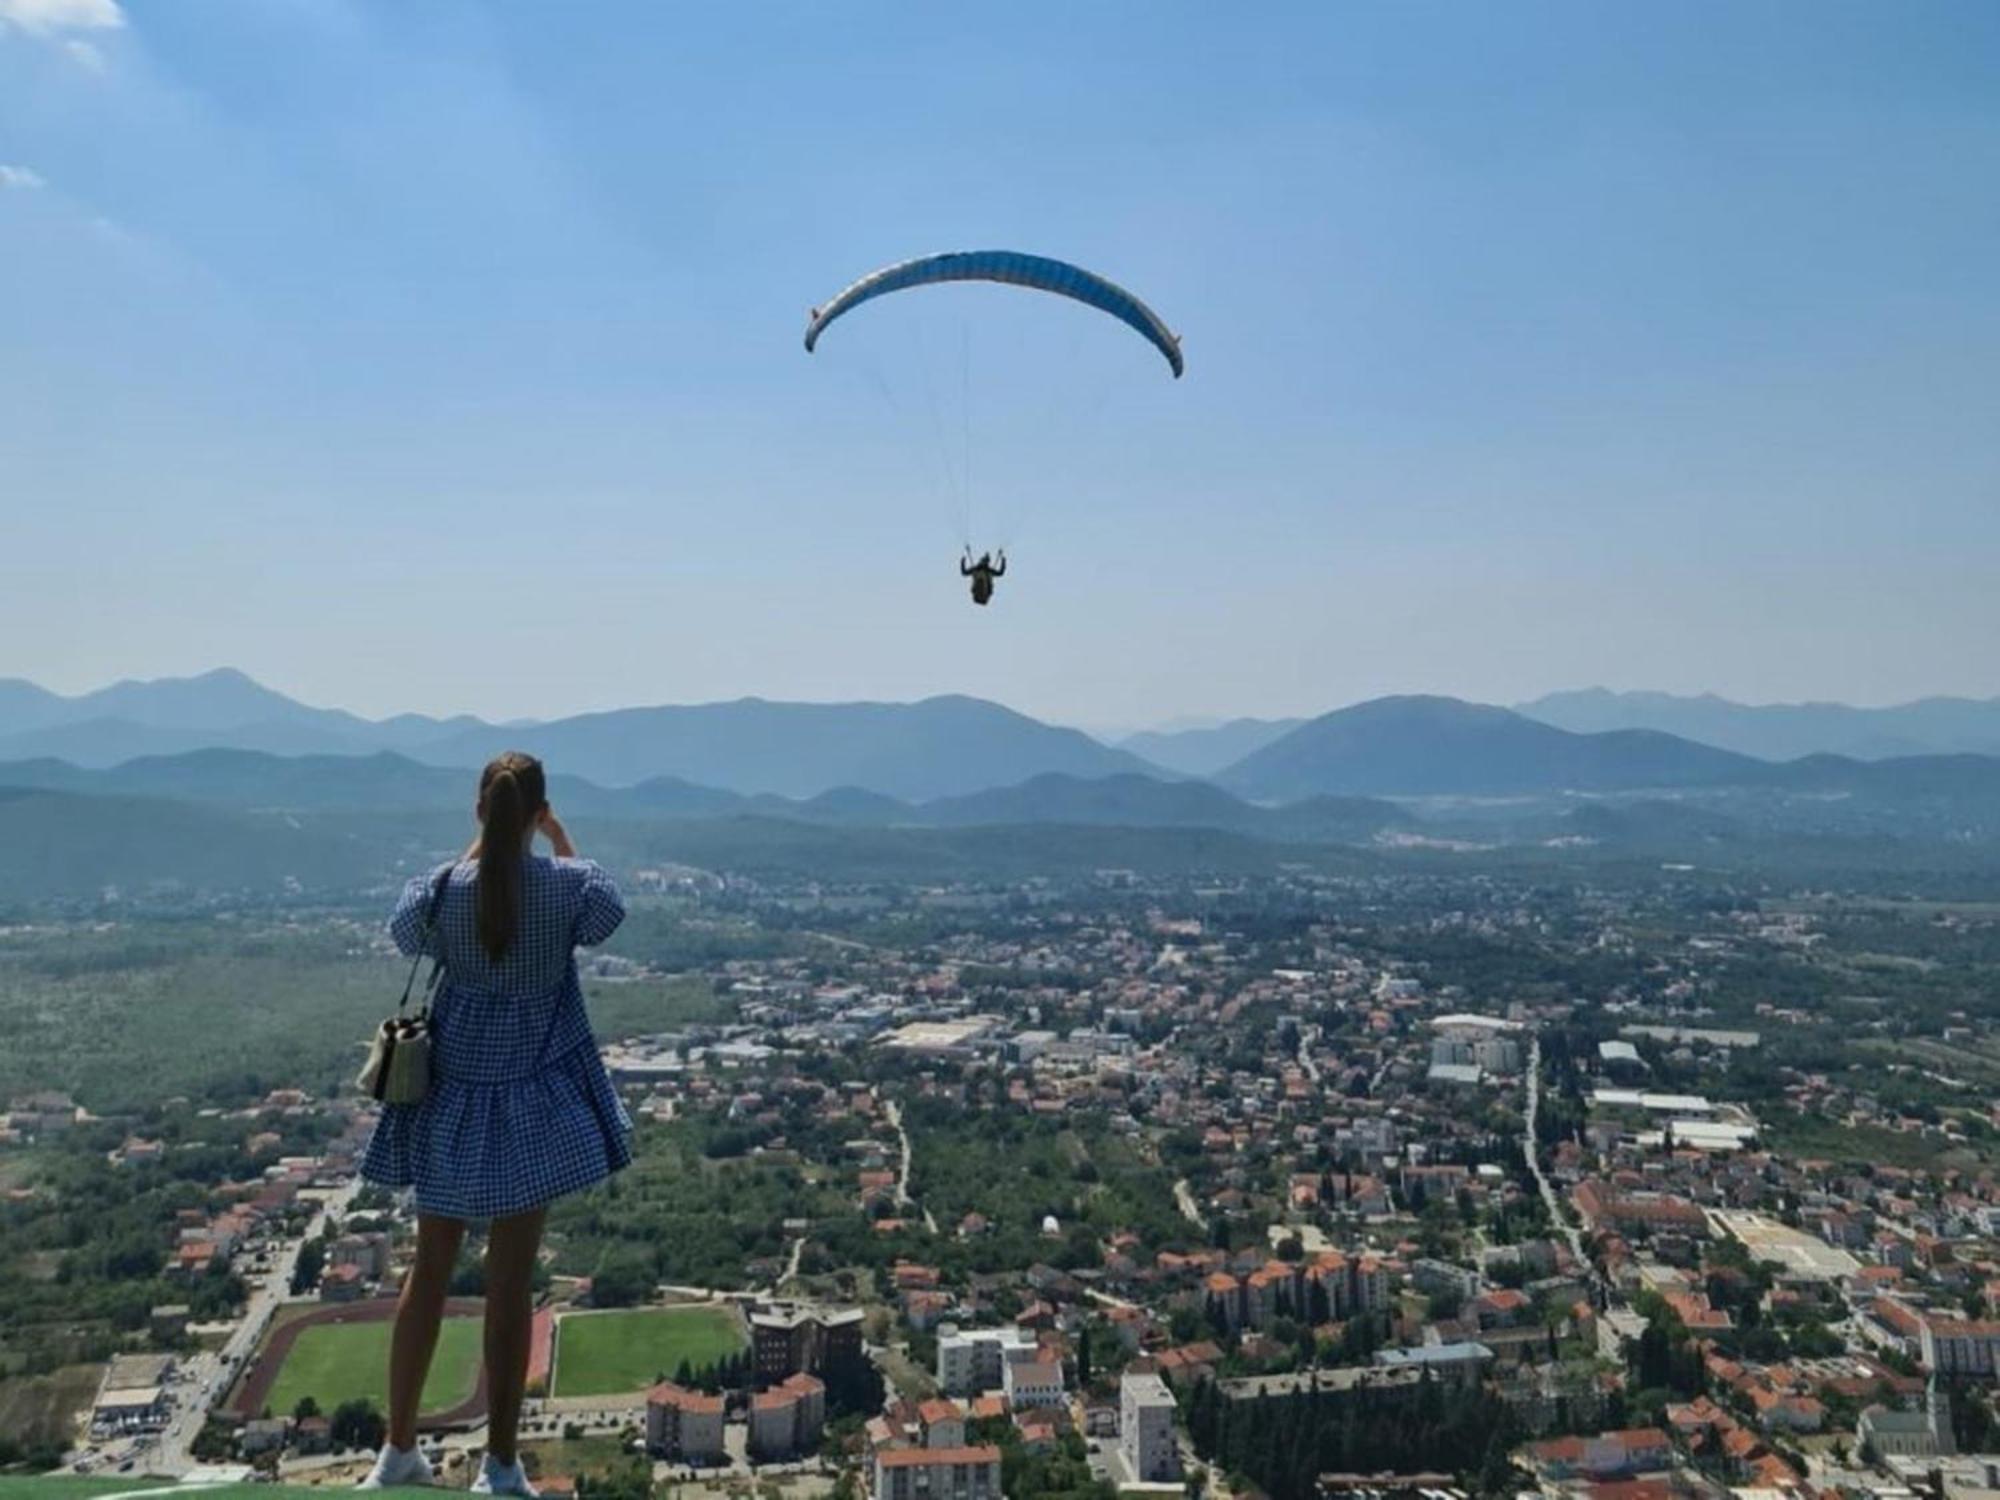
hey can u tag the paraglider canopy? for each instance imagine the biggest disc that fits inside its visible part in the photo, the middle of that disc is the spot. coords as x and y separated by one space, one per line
1012 267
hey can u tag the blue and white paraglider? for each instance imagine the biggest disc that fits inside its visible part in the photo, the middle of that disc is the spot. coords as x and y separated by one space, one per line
1039 273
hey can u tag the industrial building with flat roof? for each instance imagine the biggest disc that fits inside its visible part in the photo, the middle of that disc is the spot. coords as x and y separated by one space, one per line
1652 1104
1802 1255
942 1036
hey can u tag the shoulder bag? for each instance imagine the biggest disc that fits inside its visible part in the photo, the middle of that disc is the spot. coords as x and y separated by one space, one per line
398 1070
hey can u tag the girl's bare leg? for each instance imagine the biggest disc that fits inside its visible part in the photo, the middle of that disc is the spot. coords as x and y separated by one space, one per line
418 1315
511 1247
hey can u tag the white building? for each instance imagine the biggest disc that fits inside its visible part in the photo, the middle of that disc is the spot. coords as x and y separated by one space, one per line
937 1473
1146 1437
119 1413
1906 1434
1954 1347
974 1361
1029 1045
1029 1383
1466 1074
788 1418
684 1425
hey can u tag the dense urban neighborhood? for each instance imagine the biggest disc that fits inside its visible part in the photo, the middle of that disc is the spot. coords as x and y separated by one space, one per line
1306 1185
1082 751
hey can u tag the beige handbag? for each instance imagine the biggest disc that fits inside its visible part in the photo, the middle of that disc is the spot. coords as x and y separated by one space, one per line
398 1070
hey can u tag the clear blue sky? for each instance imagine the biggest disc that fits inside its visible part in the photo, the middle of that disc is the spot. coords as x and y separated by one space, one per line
446 356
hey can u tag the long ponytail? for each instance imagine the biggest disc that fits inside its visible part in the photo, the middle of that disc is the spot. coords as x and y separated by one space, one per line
512 790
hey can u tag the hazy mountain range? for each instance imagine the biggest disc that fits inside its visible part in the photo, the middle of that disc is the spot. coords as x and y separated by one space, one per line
172 714
257 782
886 763
938 788
1205 751
1785 731
935 748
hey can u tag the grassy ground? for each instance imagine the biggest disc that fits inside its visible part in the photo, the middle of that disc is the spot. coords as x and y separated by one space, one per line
1807 1137
612 1353
337 1362
40 1407
911 1380
574 1456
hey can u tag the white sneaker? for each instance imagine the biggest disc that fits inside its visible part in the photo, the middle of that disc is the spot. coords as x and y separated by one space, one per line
496 1478
397 1466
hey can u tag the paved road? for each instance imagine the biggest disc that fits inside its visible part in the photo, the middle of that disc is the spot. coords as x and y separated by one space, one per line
1557 1215
202 1380
1308 1035
893 1113
1375 1083
1184 1201
211 1374
792 1262
1108 1299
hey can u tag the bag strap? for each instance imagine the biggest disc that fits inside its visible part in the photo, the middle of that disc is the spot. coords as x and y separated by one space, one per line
424 942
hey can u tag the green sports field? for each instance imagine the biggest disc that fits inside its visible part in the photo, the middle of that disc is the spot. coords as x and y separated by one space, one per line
616 1353
337 1362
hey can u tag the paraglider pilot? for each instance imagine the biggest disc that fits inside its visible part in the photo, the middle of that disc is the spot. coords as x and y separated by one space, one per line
982 573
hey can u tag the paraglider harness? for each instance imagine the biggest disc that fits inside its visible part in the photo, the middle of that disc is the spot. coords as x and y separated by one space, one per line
982 573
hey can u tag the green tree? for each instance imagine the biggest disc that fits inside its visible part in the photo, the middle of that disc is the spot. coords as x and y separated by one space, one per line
357 1424
311 1262
623 1278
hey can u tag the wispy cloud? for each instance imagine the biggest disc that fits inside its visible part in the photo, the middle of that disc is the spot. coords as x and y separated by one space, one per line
24 178
65 24
55 17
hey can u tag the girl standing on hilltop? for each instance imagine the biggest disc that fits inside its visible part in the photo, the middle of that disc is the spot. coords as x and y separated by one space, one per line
520 1109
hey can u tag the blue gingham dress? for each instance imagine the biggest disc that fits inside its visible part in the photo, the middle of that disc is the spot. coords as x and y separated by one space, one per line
520 1110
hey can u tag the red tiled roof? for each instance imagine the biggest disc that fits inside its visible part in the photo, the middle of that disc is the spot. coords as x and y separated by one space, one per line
666 1393
1631 1489
918 1458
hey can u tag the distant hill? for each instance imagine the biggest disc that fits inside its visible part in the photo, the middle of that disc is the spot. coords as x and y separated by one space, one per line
1142 802
938 747
1785 731
776 846
61 846
1426 746
168 716
109 742
224 696
386 784
24 705
1203 752
228 825
255 779
844 806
